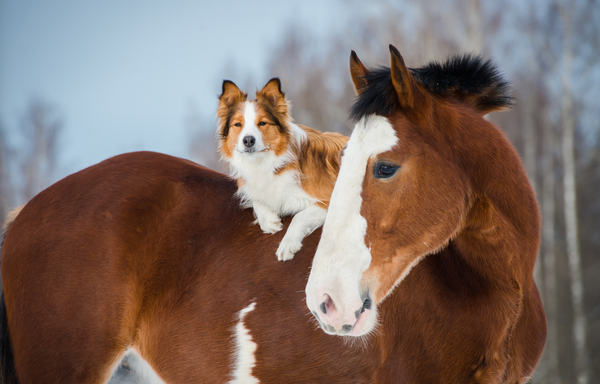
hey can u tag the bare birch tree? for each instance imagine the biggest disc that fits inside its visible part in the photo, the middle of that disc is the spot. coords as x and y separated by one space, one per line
40 128
549 255
570 197
202 132
5 182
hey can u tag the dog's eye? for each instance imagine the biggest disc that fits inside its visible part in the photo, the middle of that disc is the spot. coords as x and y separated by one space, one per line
384 170
262 123
238 124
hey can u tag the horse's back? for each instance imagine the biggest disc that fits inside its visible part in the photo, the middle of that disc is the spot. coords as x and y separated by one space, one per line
153 252
80 261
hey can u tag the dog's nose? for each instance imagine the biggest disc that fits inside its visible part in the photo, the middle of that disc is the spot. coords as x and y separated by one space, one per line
249 141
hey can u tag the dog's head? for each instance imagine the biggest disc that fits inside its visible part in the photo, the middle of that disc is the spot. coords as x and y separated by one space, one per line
251 127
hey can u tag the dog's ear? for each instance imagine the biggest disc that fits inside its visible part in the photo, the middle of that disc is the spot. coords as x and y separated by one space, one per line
274 101
231 94
271 94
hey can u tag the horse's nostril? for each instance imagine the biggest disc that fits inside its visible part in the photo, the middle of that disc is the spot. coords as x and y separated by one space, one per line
326 305
249 141
323 308
367 304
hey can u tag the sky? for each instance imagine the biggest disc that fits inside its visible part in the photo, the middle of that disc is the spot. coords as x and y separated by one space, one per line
126 74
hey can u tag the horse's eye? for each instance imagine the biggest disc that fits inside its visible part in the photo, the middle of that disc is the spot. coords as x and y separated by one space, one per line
238 124
383 171
262 123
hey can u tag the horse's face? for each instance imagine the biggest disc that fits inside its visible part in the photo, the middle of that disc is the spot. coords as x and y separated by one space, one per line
413 201
396 200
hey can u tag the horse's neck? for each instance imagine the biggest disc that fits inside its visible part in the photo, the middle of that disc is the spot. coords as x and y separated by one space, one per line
501 252
501 233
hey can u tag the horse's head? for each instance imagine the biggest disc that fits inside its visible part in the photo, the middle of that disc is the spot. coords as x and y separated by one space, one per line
405 186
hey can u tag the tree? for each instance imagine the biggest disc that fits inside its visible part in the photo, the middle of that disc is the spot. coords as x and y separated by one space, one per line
5 182
40 128
570 196
203 140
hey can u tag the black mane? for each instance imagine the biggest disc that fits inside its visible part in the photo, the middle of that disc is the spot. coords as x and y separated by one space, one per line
460 77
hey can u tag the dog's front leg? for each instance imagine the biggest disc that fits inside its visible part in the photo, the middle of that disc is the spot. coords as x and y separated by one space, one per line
268 220
302 225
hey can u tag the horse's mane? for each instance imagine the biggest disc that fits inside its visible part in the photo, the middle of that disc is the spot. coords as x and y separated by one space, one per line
467 78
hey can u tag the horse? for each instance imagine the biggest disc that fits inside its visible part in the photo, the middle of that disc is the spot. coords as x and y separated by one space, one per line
154 253
432 210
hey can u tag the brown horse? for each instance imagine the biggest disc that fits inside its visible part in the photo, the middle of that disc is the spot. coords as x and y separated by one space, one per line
153 252
432 210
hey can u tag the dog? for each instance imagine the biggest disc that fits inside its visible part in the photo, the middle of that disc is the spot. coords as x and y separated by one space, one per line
280 168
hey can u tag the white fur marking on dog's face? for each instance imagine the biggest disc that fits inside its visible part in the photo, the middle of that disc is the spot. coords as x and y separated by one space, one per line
244 350
250 129
342 255
281 192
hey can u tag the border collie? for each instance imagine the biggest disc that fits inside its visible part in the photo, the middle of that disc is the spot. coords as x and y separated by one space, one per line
281 168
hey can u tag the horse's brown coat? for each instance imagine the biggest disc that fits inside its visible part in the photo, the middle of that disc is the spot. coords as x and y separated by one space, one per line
460 204
152 251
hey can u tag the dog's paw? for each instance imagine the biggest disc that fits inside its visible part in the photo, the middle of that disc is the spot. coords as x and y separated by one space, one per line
270 226
287 249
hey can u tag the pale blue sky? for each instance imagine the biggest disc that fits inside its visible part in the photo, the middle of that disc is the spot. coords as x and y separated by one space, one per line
125 74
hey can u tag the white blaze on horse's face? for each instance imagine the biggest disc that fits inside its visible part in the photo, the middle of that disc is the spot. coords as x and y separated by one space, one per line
334 293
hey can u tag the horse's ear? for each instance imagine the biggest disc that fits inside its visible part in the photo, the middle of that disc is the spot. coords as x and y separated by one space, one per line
358 73
401 79
230 94
271 93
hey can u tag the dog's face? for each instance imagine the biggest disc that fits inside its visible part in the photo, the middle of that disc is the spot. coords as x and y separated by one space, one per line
250 127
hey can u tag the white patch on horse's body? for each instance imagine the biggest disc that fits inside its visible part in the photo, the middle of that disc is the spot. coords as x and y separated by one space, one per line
133 369
244 351
342 255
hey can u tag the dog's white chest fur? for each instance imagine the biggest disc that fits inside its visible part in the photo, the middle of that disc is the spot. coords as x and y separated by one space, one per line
282 192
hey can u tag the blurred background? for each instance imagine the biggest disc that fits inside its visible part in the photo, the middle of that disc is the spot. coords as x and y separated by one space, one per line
84 81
